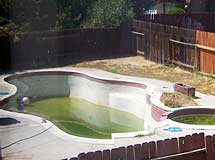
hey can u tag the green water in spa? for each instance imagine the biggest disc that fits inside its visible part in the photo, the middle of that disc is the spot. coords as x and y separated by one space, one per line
196 119
82 118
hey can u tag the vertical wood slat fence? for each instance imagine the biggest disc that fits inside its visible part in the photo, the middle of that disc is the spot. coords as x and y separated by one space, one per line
207 54
196 146
55 48
204 21
34 50
157 46
190 49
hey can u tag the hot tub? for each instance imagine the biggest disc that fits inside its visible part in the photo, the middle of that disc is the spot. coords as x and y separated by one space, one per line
194 117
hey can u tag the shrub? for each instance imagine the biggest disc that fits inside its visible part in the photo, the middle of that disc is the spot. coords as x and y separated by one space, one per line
109 13
176 11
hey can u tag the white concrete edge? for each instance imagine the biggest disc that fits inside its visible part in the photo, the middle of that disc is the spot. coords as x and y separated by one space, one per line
12 88
130 134
155 99
68 137
58 132
149 87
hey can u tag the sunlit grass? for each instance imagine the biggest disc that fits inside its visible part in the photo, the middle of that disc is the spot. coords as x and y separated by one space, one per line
138 66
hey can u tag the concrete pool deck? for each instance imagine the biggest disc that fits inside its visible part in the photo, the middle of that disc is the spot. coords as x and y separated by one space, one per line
34 142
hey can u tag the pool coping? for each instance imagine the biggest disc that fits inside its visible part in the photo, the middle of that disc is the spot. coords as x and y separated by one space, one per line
54 129
159 111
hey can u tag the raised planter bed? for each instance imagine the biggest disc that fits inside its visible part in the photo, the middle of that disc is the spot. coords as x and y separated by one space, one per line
185 89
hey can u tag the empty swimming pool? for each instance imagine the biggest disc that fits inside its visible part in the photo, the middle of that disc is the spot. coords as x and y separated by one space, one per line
82 105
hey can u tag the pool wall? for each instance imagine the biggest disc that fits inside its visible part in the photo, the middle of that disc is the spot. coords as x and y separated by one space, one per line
119 95
129 96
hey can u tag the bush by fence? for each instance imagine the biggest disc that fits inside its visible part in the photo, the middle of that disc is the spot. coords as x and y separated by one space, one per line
196 146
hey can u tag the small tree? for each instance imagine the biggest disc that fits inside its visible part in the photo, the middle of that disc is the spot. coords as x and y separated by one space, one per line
109 13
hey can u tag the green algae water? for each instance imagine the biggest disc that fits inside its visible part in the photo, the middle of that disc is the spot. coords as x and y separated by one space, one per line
196 119
85 119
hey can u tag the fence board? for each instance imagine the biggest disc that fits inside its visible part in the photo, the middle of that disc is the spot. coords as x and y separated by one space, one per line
145 151
207 51
210 146
159 49
106 155
82 156
138 152
59 48
152 149
195 155
118 153
195 146
198 21
167 147
130 153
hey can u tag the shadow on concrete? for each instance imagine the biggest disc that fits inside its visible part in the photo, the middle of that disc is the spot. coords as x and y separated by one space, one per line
8 121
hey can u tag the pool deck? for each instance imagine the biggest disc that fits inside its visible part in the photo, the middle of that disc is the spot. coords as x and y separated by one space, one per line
32 141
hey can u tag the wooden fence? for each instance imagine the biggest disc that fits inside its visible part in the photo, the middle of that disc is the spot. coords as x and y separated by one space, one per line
159 43
197 21
57 48
190 49
206 48
196 147
4 54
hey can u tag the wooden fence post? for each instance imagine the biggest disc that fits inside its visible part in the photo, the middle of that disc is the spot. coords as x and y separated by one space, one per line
197 60
106 155
130 153
210 147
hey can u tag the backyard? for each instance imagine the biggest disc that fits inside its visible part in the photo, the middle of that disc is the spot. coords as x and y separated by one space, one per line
107 79
140 67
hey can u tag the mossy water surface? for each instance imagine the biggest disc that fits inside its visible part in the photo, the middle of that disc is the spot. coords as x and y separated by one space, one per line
196 119
82 118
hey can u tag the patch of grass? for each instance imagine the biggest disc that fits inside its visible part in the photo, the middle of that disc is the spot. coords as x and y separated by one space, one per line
175 100
138 66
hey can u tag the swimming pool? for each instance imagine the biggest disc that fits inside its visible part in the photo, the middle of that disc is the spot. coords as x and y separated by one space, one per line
98 107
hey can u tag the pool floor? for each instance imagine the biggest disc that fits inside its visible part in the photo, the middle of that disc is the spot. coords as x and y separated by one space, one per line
85 119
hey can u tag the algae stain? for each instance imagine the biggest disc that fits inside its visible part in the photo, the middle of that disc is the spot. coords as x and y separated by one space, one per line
82 118
196 119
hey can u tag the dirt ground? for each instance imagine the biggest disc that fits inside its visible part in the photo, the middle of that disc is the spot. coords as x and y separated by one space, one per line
140 67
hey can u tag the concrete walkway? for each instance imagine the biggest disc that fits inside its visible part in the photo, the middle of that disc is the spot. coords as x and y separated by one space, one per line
29 140
160 85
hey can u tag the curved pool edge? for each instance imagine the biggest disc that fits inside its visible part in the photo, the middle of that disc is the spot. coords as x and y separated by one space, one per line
159 111
58 132
189 111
